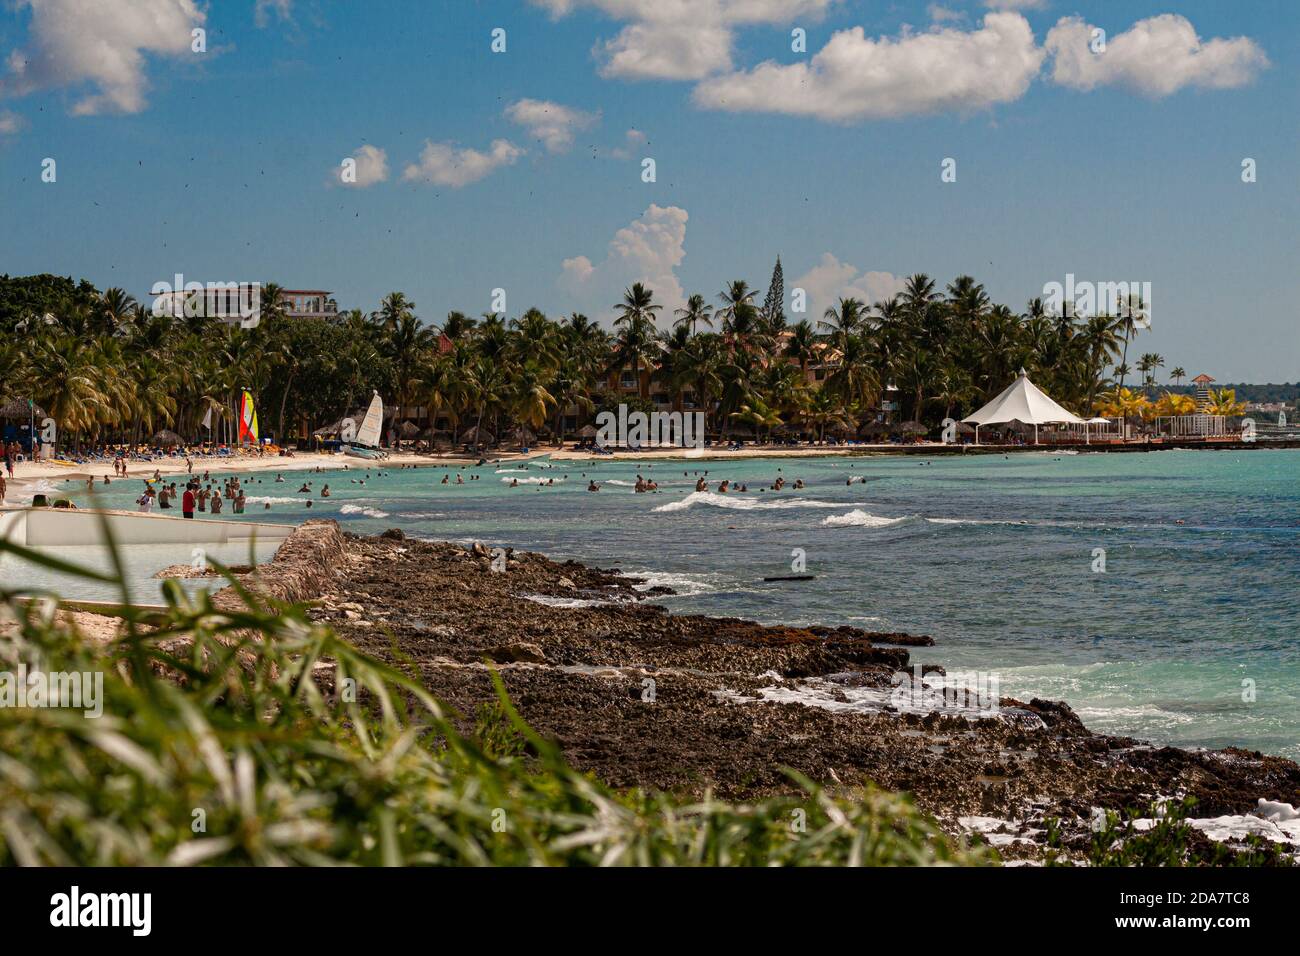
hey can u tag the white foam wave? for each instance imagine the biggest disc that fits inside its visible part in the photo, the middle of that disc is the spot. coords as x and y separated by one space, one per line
857 518
534 481
741 503
359 509
261 500
686 585
551 600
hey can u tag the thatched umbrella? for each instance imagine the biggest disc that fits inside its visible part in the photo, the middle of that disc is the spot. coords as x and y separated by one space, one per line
167 438
477 436
408 429
911 428
587 431
19 409
523 436
872 429
327 430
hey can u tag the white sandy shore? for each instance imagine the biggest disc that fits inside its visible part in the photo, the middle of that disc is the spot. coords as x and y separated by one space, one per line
28 474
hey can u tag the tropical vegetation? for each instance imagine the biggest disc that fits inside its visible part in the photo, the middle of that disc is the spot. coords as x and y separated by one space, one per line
105 366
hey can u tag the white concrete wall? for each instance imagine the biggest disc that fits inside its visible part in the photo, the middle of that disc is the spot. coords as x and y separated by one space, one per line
58 527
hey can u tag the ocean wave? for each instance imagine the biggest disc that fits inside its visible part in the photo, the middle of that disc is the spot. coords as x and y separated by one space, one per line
686 585
360 509
564 602
535 481
740 503
857 518
261 500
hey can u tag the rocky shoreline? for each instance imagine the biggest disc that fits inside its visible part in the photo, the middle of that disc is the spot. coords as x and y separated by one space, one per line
644 698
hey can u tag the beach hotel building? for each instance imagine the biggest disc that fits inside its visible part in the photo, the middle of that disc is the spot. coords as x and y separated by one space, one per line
233 300
308 304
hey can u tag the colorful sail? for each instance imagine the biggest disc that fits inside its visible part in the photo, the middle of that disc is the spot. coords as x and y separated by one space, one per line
247 420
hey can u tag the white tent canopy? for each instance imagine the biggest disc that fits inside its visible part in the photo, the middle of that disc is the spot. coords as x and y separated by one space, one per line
1023 401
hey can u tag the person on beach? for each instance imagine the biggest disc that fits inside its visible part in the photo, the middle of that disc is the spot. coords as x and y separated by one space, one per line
216 504
240 501
4 487
187 501
325 492
164 498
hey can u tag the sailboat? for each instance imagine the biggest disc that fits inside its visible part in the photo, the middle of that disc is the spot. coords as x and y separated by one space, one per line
248 432
366 444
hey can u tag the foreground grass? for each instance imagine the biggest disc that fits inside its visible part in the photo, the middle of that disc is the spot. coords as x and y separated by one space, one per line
258 737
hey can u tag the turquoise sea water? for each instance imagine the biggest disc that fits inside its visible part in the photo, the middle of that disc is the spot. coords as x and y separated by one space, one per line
994 556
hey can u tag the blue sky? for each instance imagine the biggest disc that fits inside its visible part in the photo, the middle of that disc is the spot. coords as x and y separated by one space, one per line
1124 164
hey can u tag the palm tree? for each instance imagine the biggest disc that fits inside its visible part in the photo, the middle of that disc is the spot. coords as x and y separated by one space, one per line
1178 374
636 343
697 310
1147 365
802 345
1224 402
844 320
738 313
406 343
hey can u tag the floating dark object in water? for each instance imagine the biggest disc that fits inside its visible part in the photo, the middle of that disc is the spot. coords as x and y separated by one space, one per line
793 577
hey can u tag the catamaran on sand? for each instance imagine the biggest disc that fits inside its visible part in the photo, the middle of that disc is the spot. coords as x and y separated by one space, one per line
366 443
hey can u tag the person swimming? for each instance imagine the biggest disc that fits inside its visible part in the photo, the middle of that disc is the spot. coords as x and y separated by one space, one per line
722 488
592 486
325 492
701 485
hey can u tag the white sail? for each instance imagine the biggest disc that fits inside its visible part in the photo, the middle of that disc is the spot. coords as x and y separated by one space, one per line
368 433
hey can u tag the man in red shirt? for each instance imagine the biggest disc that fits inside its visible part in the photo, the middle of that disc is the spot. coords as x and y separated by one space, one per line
187 501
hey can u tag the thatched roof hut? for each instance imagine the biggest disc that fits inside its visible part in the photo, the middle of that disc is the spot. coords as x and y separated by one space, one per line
19 409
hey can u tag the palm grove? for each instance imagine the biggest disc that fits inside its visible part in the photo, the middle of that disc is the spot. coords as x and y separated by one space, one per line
105 367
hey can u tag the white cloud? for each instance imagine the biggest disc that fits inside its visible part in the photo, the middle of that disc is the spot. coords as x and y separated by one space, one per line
1016 4
831 280
10 123
371 167
104 43
633 140
552 124
855 77
667 51
444 165
941 14
1157 56
680 39
648 250
283 10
